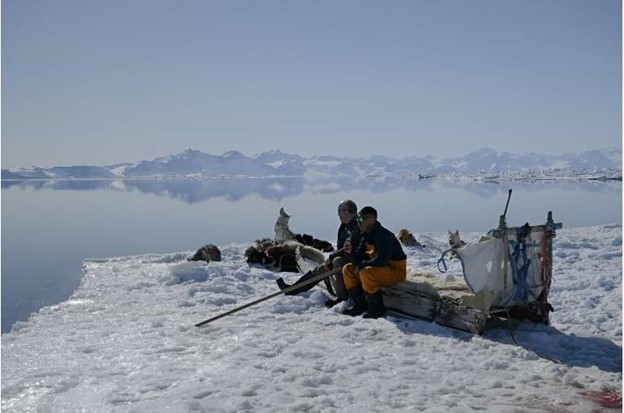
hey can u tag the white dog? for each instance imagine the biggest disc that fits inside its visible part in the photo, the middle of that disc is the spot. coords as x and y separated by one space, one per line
454 240
281 230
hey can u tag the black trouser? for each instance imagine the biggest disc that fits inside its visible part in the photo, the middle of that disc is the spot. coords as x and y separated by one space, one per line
334 283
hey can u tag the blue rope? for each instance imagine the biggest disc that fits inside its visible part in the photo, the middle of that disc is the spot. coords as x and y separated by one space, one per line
441 260
520 274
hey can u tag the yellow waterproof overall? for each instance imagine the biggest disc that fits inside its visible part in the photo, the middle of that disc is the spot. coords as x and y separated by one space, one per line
374 279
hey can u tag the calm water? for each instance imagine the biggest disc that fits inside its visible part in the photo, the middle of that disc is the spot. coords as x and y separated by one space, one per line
49 228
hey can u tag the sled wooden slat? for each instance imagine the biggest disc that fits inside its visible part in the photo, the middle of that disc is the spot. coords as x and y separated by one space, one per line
497 233
407 299
463 318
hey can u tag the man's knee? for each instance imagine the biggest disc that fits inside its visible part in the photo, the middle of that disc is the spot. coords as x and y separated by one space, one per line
348 277
347 271
375 278
339 262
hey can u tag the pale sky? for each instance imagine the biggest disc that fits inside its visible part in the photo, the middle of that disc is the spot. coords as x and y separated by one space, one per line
92 82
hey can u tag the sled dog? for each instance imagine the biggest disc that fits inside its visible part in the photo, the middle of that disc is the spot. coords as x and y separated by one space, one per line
281 230
408 239
455 240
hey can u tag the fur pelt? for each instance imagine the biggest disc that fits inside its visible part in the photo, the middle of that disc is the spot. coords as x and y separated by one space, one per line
206 253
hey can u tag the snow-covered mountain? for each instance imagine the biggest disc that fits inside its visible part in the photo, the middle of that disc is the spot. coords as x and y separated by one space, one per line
486 159
59 172
194 163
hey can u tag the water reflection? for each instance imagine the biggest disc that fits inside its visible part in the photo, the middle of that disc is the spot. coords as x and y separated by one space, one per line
192 191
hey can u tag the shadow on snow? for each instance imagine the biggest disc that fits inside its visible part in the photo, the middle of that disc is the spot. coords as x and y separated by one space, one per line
544 341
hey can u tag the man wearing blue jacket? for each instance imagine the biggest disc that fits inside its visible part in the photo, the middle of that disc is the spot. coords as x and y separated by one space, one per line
379 262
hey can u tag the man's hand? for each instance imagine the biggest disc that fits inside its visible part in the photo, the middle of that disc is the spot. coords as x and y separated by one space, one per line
328 264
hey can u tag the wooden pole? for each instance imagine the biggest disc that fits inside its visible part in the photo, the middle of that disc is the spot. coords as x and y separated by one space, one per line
275 294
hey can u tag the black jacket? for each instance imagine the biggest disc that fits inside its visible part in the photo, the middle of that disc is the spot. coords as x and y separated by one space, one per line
347 232
387 247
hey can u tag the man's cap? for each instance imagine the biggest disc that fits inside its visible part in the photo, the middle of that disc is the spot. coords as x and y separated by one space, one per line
368 210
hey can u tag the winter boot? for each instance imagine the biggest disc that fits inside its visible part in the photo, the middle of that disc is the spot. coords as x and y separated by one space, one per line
329 303
282 285
359 302
376 308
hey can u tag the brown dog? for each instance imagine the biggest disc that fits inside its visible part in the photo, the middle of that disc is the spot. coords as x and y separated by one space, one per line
408 239
206 253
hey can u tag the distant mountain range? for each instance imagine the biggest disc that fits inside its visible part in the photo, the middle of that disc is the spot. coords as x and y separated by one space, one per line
196 164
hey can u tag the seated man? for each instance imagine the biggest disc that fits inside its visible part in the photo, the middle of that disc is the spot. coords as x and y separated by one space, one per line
379 262
348 234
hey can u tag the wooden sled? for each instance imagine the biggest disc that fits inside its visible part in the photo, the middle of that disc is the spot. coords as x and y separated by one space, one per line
426 297
422 300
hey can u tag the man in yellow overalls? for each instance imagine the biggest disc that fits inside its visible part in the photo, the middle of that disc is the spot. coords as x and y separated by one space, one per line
379 262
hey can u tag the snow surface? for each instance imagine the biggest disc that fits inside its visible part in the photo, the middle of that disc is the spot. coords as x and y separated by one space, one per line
125 341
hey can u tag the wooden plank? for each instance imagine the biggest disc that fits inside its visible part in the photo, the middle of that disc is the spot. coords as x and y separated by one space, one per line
409 298
416 300
453 315
497 233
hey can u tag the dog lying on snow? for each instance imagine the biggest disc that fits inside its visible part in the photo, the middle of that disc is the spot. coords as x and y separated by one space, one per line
408 239
280 253
206 253
310 241
281 256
